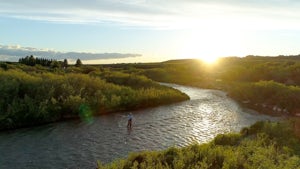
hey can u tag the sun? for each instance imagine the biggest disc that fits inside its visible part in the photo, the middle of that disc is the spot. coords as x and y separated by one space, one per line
193 49
209 45
209 60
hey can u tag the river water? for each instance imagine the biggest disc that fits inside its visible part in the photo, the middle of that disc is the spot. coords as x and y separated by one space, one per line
76 144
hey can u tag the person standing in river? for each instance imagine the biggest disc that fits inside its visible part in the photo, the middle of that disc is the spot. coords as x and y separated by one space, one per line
129 123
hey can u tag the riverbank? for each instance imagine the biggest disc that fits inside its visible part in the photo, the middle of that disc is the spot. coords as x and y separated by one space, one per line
266 97
271 110
270 145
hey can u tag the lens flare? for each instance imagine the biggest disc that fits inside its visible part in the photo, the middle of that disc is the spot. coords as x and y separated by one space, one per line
86 114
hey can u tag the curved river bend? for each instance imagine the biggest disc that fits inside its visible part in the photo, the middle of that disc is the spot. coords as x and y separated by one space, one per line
74 144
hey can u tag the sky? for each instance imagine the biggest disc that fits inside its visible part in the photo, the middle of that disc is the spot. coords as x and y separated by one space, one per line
122 31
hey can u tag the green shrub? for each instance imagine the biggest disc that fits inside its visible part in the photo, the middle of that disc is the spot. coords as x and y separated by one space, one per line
227 139
3 66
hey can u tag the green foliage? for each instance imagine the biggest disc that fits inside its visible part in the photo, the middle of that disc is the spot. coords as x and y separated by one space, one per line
3 66
65 63
269 93
55 64
158 74
253 69
262 148
78 63
38 96
227 139
32 61
181 72
132 80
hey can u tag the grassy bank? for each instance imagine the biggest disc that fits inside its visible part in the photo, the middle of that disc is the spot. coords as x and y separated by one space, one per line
269 145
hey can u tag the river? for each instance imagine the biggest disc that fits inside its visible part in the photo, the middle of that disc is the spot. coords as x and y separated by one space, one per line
76 144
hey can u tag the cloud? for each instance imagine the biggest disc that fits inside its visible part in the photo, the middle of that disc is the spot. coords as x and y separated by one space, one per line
78 11
167 14
14 52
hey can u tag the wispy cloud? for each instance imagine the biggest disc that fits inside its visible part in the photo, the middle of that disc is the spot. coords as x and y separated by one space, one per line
14 52
170 14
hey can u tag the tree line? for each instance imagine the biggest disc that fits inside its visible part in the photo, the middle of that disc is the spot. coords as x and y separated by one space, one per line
32 61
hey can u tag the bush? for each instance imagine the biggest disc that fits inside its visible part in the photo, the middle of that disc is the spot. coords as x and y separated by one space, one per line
3 66
269 93
227 139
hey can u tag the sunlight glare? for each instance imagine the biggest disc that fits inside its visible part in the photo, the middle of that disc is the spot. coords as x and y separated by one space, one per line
209 60
209 45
